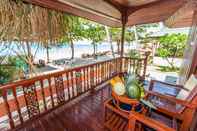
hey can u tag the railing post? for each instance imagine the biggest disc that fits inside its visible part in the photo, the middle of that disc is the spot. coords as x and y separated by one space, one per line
17 104
78 78
92 80
11 122
51 92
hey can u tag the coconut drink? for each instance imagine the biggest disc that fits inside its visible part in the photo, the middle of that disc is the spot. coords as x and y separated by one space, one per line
134 90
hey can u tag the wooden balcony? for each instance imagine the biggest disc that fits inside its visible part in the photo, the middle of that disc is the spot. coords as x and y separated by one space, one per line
65 100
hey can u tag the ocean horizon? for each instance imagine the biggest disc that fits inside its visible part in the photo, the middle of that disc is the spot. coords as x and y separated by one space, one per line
60 51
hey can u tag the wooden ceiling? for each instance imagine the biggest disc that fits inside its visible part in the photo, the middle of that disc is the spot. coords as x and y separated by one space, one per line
183 16
111 12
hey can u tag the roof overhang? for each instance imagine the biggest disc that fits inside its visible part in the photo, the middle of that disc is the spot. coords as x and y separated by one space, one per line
182 17
111 12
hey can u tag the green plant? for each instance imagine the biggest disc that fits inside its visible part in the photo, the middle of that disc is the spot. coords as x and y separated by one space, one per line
116 36
95 33
171 46
74 31
11 70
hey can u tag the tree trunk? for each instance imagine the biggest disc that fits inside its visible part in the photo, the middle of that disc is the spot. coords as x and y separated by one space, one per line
171 63
29 58
109 38
47 53
50 34
72 49
118 45
94 50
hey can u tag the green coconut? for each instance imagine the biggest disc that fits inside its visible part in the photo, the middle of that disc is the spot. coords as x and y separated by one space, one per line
134 89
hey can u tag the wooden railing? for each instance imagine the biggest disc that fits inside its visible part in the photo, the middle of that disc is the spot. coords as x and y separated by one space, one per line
29 99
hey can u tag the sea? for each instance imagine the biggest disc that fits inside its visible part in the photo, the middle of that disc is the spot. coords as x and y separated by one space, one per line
58 51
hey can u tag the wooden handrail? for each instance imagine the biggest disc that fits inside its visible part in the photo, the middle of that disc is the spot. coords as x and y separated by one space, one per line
24 81
42 94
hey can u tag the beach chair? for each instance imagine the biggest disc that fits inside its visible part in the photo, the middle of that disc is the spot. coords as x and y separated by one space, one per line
173 118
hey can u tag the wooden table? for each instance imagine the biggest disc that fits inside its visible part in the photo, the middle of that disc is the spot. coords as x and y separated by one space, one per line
117 118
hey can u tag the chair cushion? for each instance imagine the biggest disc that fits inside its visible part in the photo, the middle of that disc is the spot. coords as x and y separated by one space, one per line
190 85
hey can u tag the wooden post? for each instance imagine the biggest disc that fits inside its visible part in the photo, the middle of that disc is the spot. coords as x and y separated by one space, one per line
124 21
7 107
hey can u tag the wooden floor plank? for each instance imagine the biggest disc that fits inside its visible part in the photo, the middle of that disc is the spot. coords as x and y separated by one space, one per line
83 114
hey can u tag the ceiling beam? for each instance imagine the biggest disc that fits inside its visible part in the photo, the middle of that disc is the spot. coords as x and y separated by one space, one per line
81 12
88 9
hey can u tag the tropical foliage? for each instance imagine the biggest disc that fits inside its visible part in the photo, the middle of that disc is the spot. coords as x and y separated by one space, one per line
116 36
95 33
13 66
74 31
172 46
143 33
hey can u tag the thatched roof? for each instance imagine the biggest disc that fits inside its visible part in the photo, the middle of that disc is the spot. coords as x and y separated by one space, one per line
22 22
